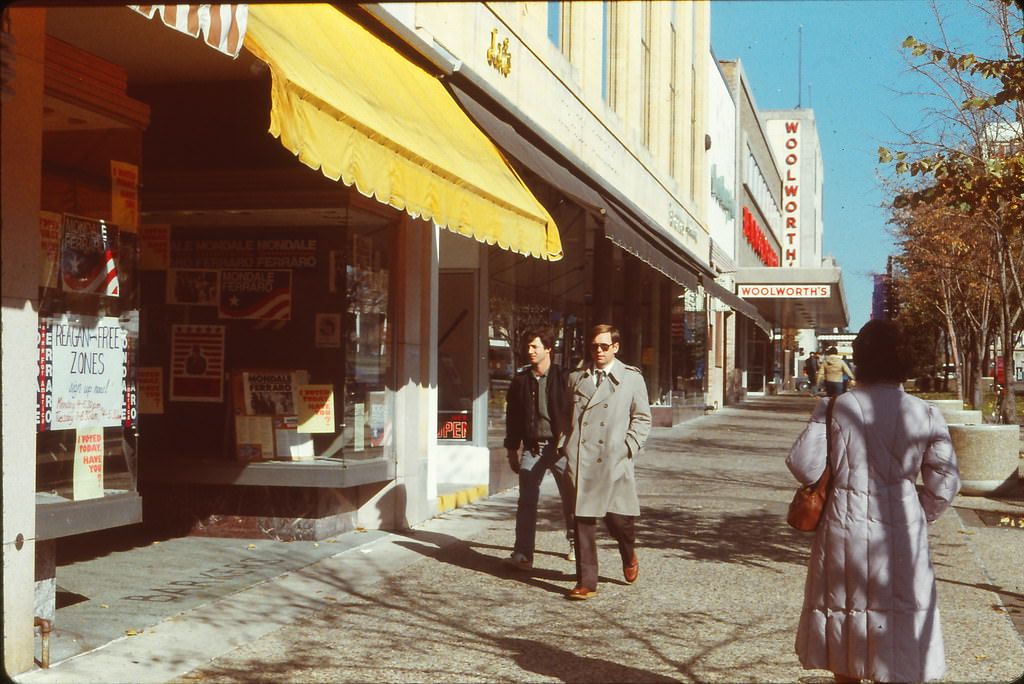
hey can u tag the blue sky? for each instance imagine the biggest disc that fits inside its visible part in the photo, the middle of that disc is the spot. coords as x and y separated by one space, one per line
853 77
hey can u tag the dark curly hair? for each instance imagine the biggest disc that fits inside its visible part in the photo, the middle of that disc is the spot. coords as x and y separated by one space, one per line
546 335
880 353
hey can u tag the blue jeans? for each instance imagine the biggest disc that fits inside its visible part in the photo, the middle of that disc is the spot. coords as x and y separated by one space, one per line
834 389
532 466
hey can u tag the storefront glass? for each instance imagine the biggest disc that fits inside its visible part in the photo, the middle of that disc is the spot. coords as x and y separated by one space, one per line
689 349
270 344
524 295
88 339
457 359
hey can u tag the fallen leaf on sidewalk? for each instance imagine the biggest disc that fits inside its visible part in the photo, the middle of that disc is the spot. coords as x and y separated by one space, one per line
132 632
966 532
251 546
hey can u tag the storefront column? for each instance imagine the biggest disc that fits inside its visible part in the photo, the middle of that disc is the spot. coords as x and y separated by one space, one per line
20 171
413 496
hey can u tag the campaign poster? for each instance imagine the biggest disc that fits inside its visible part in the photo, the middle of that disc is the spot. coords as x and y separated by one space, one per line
328 331
84 372
124 195
87 251
272 392
254 438
192 286
316 408
256 295
49 241
151 389
154 247
197 363
87 474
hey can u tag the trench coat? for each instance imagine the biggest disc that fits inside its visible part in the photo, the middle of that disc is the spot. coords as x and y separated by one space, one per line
870 607
609 428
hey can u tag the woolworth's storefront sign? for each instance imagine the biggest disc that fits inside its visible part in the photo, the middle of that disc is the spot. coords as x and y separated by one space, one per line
785 291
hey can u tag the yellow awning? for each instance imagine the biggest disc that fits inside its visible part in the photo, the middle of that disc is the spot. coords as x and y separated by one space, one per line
348 104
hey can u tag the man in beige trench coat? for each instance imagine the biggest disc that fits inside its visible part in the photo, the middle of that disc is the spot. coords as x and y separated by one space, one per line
611 418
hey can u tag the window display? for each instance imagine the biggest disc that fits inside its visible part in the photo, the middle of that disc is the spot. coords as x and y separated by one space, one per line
87 409
275 342
690 349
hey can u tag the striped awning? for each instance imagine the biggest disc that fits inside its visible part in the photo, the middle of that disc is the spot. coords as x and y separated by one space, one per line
346 103
222 26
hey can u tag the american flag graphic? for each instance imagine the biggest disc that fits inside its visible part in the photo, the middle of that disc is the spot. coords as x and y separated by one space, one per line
88 257
111 285
264 295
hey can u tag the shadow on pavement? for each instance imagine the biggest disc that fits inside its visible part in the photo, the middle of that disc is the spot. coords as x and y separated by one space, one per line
452 550
753 538
548 661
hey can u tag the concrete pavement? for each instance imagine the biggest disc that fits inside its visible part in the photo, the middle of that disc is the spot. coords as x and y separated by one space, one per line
721 580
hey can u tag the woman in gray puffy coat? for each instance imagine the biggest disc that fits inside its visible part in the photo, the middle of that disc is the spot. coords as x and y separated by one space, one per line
870 608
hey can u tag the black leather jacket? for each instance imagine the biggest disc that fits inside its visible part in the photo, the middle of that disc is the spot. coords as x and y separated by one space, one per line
520 403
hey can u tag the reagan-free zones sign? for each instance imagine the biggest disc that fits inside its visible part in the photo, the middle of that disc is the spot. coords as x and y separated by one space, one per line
83 371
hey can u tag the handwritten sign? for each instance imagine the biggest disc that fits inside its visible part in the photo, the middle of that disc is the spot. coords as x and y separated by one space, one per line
87 477
155 247
83 362
124 195
316 408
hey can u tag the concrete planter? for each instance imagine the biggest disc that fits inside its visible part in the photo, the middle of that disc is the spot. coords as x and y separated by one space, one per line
947 404
966 417
988 456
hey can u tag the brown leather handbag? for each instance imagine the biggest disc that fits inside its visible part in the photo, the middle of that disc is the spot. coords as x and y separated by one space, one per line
808 503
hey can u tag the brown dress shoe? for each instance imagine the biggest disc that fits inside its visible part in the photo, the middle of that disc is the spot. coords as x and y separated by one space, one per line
581 593
631 570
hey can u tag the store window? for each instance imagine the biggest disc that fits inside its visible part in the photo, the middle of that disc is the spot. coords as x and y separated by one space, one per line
88 339
456 354
269 344
524 295
690 332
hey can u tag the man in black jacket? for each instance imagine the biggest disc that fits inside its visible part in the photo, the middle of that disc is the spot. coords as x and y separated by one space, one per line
536 415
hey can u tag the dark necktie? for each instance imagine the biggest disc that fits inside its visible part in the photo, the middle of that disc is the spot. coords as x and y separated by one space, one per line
600 377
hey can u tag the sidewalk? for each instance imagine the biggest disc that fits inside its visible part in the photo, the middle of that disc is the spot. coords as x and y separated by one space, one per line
721 581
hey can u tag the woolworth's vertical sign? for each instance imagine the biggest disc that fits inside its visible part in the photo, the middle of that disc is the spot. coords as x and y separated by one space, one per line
786 141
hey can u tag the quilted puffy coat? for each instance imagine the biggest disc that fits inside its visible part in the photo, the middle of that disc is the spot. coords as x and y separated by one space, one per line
870 606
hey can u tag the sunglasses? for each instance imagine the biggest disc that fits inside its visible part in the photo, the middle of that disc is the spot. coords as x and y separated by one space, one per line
603 346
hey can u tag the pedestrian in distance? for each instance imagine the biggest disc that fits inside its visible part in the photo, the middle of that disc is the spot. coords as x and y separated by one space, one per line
536 417
847 377
870 607
611 418
811 371
831 371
